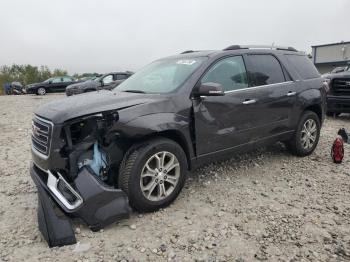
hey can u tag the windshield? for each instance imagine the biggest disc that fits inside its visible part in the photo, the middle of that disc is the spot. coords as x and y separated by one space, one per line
162 76
48 80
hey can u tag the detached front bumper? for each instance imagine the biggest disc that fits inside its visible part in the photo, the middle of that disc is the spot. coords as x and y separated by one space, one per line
86 198
338 104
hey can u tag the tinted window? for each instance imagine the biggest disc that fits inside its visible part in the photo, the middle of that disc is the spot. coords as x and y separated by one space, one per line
67 79
304 66
230 73
266 70
57 80
108 79
121 77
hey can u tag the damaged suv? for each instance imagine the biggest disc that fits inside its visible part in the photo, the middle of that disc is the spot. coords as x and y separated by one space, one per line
96 154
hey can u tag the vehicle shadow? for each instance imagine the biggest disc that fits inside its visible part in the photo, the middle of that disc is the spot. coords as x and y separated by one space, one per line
251 159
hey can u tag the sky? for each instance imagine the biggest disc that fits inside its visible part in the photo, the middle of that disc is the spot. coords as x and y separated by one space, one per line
116 35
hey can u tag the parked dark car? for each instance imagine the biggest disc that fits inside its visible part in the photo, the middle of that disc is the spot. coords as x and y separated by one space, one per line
338 96
54 84
96 153
107 81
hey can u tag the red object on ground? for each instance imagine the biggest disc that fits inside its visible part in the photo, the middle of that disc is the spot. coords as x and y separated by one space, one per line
338 150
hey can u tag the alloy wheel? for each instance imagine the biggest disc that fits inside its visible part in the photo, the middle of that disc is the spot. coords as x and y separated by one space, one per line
41 91
309 134
159 176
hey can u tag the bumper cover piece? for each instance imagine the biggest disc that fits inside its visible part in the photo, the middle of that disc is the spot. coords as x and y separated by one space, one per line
55 227
338 104
101 205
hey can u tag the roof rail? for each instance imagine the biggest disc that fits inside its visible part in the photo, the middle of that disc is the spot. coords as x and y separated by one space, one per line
187 51
237 47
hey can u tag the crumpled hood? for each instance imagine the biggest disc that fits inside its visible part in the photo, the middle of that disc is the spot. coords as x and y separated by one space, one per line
61 110
86 84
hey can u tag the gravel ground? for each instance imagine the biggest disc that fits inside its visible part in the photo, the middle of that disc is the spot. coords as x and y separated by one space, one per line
265 205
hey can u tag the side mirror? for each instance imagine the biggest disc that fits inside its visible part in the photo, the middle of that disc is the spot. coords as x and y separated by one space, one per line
210 89
102 83
50 82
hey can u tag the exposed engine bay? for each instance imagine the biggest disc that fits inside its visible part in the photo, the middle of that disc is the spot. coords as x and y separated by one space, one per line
92 143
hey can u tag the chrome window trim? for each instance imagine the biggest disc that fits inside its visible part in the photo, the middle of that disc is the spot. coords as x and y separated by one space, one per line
256 87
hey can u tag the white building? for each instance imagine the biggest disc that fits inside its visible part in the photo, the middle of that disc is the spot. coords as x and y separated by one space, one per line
327 57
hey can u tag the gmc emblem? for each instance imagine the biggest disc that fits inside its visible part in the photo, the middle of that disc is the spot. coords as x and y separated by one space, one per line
35 130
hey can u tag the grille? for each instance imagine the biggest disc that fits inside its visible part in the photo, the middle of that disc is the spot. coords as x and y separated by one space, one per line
341 86
41 135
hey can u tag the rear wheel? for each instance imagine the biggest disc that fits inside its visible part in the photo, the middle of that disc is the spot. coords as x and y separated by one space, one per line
152 174
41 91
306 136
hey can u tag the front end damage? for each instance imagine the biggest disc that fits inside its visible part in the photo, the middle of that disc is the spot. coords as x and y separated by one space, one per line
75 166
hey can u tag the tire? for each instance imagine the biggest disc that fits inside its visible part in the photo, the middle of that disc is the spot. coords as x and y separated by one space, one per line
134 164
297 144
41 91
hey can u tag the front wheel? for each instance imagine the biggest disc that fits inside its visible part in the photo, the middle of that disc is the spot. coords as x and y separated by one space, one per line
306 137
41 91
152 174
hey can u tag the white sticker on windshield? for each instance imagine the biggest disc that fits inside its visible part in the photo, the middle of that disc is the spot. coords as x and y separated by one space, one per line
186 62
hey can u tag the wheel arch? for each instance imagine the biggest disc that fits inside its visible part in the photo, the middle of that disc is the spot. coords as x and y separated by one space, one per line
312 100
317 109
176 136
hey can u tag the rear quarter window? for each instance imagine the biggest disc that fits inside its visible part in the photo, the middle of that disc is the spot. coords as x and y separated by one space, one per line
304 66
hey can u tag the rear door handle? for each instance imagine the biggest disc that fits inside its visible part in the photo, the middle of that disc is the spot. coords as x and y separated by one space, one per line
291 93
249 101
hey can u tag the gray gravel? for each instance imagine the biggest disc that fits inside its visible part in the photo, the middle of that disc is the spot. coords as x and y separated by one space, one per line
265 205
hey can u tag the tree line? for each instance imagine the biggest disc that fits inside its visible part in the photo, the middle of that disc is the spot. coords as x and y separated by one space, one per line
28 74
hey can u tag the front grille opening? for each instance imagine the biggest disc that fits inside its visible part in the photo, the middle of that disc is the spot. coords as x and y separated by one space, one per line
66 192
341 86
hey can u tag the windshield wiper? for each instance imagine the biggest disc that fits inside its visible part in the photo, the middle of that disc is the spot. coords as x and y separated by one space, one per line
134 91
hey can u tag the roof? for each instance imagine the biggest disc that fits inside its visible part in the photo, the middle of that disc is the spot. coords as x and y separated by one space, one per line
340 43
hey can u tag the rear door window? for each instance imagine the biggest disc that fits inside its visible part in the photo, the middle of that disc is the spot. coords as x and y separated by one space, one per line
304 66
266 70
67 79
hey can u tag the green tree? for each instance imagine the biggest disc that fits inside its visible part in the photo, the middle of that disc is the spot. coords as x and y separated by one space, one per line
27 74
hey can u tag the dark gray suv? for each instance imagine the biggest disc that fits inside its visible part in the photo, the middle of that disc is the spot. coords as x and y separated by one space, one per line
97 153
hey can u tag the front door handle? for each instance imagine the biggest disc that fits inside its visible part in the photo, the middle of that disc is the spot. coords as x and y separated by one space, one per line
249 101
291 93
